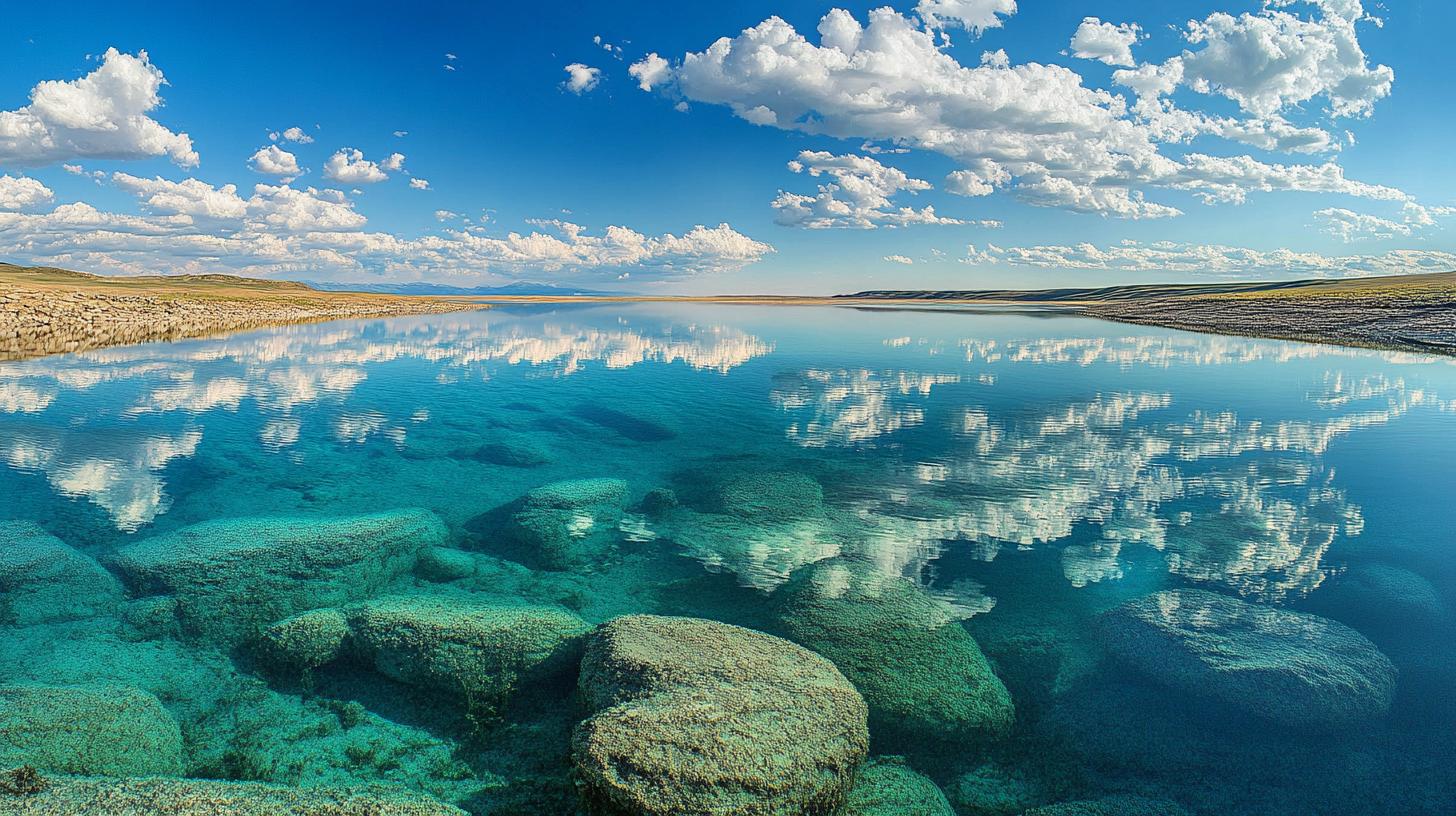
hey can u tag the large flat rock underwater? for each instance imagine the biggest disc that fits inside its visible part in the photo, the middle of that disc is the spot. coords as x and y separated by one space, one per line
565 525
695 716
1289 667
454 647
922 674
44 580
230 578
110 730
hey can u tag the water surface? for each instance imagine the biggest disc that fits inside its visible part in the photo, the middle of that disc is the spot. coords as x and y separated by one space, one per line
1027 471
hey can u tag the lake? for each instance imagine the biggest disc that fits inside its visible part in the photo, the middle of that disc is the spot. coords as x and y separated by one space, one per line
1060 559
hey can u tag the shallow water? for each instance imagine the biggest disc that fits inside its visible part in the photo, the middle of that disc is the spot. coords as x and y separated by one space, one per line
1026 471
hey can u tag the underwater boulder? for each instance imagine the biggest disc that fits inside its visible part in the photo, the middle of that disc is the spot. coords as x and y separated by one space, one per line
305 641
1383 596
233 577
759 524
25 793
774 494
623 424
565 524
104 730
516 453
43 580
922 674
1111 806
483 652
696 716
886 786
1293 668
443 565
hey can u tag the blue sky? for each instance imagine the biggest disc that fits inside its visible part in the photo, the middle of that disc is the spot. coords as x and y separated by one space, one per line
933 143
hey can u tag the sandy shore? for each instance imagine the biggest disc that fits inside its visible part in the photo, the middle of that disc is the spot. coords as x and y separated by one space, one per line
48 311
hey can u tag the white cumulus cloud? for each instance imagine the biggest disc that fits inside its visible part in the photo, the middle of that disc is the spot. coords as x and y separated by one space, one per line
275 161
857 197
974 16
650 71
1036 131
348 166
1105 42
23 193
101 115
581 78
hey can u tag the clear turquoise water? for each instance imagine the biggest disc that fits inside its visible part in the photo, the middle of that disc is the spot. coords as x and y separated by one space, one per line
1027 470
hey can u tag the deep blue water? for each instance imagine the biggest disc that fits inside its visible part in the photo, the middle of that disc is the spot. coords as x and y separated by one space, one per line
1028 471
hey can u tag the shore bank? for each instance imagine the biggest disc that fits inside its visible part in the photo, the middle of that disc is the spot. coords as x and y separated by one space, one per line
49 311
1410 313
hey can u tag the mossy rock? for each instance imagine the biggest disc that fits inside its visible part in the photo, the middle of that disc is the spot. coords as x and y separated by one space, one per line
305 641
42 580
886 786
1295 669
759 524
478 653
233 577
920 671
83 796
88 730
772 494
1112 806
443 565
484 652
696 716
565 525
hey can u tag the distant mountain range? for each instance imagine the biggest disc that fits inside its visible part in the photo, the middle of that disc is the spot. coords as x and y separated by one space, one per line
523 288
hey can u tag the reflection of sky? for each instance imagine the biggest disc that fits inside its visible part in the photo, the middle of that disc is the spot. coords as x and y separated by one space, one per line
120 468
1225 497
1207 455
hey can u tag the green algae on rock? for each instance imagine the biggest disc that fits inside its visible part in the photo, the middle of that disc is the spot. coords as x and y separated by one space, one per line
759 524
91 796
695 716
919 670
1111 806
565 524
88 730
1293 668
481 652
886 786
43 580
232 577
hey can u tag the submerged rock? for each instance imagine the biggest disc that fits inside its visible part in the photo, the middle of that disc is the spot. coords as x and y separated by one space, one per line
1384 596
919 670
79 796
759 524
42 580
886 786
624 424
773 494
232 577
695 716
88 730
512 453
1112 806
1289 667
478 652
565 524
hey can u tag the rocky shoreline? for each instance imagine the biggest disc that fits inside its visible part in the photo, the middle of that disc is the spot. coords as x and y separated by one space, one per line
65 312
